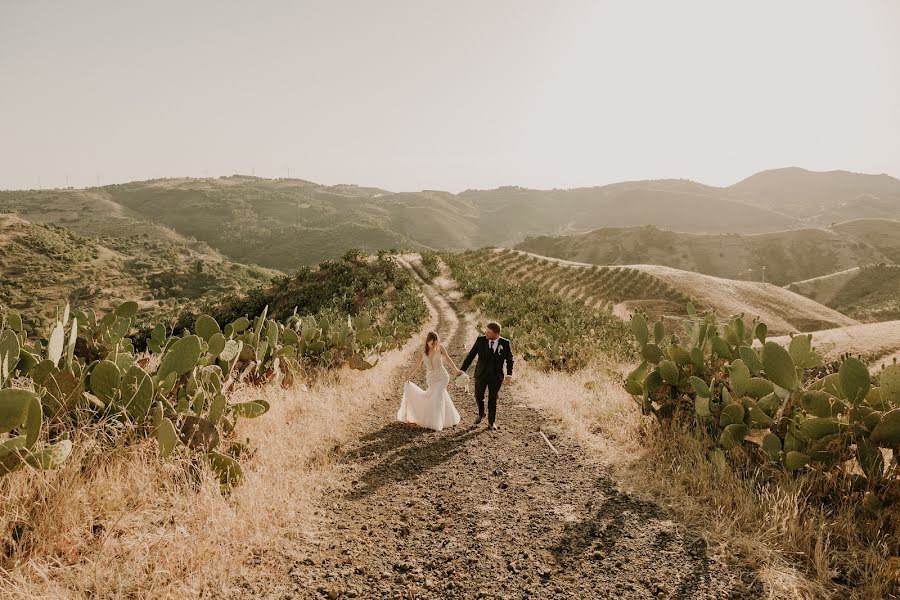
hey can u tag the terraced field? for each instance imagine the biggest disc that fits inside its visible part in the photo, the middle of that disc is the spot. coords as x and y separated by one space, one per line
620 290
664 292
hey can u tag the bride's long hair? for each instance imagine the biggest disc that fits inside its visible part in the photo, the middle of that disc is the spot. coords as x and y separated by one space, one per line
431 337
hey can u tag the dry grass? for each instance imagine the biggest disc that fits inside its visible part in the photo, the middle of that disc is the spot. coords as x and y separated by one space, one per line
876 342
131 526
781 309
761 520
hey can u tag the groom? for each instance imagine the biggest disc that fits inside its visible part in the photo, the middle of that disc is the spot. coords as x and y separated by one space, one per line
492 351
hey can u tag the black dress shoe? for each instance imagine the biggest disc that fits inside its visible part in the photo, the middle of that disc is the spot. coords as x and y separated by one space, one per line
478 420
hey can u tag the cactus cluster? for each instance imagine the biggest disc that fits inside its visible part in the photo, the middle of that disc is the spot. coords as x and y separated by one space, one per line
781 406
87 370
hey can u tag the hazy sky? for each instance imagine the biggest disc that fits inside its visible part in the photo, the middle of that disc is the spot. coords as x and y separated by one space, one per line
446 94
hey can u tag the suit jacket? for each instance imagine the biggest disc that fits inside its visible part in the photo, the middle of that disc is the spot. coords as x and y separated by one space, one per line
490 364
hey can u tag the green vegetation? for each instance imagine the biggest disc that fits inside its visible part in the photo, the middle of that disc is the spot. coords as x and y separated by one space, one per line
765 410
551 331
430 264
599 287
46 265
87 371
356 285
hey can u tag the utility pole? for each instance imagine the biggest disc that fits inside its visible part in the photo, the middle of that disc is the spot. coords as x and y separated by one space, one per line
764 273
67 182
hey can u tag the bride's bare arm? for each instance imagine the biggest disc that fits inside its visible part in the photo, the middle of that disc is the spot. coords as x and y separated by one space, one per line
415 368
448 359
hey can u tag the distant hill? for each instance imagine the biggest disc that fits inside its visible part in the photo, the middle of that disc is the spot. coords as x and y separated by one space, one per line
821 197
787 255
45 266
285 223
664 292
869 293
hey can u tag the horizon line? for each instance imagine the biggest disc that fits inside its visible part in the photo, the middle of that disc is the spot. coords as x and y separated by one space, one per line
539 189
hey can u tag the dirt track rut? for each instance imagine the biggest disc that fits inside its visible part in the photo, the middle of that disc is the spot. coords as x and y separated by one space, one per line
473 513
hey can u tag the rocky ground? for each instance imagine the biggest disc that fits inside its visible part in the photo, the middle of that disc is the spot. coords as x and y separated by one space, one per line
473 513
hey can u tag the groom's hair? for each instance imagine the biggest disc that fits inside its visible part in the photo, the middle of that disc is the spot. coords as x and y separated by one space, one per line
495 327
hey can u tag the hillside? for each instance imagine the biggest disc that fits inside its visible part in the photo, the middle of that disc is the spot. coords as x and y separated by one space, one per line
821 197
870 293
662 291
45 266
285 223
781 309
786 255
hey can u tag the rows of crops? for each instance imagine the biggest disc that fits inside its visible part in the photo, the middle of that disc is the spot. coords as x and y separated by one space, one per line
597 286
550 330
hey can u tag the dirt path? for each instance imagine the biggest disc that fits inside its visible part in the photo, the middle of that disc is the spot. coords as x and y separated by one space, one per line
473 513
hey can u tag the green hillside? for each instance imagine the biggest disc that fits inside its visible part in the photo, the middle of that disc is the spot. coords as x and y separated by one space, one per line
45 266
290 222
285 223
787 255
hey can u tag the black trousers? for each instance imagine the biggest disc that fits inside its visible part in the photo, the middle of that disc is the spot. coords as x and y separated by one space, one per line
492 385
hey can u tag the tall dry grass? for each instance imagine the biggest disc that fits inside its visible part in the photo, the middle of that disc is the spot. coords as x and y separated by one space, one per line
797 547
117 522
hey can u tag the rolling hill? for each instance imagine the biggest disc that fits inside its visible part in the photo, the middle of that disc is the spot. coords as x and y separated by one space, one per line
663 291
787 256
285 223
45 266
869 293
290 222
821 197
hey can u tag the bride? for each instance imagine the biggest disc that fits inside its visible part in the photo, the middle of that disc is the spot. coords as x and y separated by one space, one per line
431 408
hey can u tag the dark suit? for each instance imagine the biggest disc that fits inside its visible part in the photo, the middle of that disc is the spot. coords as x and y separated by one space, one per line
489 371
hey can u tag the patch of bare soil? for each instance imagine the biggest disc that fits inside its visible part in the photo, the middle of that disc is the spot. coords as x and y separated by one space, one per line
473 513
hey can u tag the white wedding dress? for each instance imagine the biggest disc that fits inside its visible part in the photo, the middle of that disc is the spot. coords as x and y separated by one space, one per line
432 408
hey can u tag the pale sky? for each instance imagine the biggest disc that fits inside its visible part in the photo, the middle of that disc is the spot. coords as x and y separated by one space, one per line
422 94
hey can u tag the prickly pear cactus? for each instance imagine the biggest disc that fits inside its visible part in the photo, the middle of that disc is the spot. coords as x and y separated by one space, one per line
780 406
87 372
